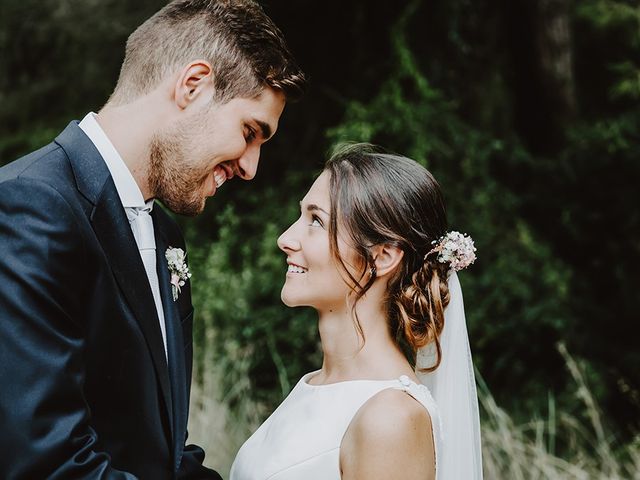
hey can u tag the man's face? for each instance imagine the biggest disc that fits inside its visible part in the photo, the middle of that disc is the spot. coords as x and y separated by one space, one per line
194 157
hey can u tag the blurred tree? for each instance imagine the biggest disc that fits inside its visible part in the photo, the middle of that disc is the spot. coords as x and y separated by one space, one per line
539 36
58 59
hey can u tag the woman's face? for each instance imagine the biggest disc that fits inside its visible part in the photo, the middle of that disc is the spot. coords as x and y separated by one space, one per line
314 278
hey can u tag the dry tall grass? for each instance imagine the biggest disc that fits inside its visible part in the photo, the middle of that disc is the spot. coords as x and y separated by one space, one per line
216 427
526 451
510 451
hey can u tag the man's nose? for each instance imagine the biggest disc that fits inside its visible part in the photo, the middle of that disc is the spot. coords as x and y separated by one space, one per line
248 162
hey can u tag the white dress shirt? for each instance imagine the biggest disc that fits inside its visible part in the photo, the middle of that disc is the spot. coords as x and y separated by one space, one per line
136 209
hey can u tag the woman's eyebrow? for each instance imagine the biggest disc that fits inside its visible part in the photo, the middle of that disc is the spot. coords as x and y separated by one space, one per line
312 207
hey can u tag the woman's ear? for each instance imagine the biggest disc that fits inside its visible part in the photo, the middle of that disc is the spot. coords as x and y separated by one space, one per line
192 83
386 259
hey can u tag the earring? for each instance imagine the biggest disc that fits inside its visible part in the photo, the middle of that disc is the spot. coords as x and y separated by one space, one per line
372 272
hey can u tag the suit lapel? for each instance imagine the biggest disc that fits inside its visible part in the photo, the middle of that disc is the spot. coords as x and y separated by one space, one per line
175 343
114 233
112 229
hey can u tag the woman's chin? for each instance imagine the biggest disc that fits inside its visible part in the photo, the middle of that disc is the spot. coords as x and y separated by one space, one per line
291 300
288 301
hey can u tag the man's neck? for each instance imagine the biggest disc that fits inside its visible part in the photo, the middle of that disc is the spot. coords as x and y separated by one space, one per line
130 130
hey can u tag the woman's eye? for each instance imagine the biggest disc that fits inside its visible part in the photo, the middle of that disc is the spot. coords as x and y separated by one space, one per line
315 222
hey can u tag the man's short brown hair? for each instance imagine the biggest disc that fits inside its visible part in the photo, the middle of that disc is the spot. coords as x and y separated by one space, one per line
246 49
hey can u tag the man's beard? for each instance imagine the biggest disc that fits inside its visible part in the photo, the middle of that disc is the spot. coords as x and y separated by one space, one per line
173 181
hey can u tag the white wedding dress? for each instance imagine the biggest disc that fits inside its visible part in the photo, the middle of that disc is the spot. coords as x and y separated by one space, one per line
301 439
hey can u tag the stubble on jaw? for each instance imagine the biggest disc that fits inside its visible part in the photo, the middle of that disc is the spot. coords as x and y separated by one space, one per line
172 180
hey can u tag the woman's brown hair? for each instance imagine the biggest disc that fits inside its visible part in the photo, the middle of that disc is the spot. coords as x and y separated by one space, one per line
379 198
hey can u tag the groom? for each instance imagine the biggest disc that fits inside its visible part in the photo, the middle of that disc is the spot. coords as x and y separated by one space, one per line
95 302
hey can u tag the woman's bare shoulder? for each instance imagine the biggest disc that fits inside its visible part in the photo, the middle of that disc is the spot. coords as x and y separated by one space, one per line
389 437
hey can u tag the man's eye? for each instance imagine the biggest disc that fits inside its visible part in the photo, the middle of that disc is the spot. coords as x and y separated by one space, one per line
250 134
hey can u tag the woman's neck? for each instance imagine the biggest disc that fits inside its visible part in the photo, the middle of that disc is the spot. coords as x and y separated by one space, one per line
350 354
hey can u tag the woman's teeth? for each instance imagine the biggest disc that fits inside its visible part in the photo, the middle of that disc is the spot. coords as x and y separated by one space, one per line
295 269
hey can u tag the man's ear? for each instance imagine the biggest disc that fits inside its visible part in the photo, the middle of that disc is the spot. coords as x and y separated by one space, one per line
387 258
194 81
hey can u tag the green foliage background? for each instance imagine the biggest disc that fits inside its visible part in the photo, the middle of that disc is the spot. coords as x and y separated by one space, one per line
545 181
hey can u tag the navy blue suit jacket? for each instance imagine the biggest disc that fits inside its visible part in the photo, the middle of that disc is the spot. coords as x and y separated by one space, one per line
85 387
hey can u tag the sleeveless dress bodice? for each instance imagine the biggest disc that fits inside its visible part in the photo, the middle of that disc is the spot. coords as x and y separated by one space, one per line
301 439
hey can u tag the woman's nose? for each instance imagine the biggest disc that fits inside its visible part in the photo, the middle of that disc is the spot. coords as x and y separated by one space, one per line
287 241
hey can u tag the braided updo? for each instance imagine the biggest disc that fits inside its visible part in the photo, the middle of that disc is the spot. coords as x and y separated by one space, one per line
379 198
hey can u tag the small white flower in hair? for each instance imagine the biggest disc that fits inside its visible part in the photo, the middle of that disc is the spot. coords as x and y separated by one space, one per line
456 249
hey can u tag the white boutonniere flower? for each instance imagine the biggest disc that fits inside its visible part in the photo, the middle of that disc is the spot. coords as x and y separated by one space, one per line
178 269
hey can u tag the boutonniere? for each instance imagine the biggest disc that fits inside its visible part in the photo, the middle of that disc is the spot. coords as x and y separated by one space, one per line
178 268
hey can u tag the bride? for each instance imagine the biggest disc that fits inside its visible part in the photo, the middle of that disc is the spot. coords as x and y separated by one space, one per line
395 397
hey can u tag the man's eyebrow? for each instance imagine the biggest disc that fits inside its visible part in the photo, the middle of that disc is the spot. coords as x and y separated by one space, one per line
265 128
312 207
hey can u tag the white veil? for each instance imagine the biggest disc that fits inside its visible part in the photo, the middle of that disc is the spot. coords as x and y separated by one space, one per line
453 387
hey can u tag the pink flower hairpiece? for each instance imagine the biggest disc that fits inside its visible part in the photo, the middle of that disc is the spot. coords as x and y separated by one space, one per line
456 249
